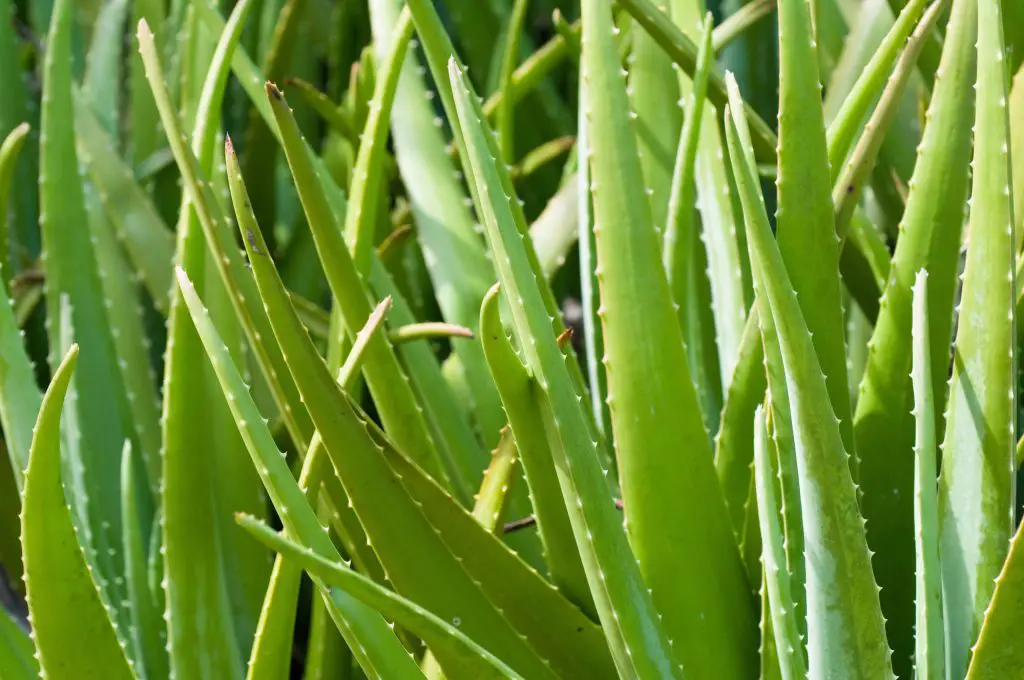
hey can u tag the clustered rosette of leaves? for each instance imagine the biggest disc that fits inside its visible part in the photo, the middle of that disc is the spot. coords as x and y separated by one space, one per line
602 376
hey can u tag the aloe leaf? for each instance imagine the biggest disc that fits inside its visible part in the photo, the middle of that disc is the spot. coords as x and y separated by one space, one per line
145 135
19 397
806 226
784 626
463 658
637 642
438 49
384 376
682 240
929 650
549 622
997 654
654 98
505 120
856 170
929 239
101 410
846 631
976 490
712 602
445 414
140 229
10 151
15 110
444 223
440 578
519 396
722 228
498 479
870 82
683 51
227 258
593 340
271 650
377 648
101 83
56 571
556 229
201 636
1017 146
361 216
148 637
17 655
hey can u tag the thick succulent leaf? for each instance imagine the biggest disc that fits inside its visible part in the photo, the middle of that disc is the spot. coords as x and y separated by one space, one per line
977 490
637 642
498 479
556 229
654 98
444 576
10 151
681 243
929 649
377 648
17 655
444 223
57 577
19 395
784 625
463 658
22 231
929 239
806 228
385 377
662 446
438 49
73 270
228 260
146 239
505 119
519 397
871 78
845 628
856 170
1017 146
683 51
364 192
998 653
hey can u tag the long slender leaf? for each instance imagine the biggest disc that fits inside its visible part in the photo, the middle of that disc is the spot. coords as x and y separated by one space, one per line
976 491
56 572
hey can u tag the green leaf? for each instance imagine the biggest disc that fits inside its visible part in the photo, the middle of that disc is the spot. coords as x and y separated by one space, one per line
784 625
976 491
57 577
998 653
663 450
929 239
637 642
505 122
519 393
397 520
146 239
386 379
101 412
929 650
10 151
17 655
463 658
376 646
682 240
443 221
101 84
217 233
845 627
806 227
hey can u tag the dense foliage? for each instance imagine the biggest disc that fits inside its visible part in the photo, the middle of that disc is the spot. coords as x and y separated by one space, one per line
689 350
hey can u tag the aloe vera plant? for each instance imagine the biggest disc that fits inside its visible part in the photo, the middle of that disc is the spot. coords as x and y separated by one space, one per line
507 340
